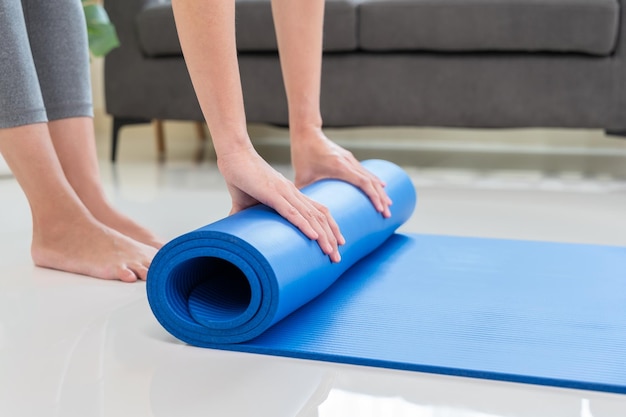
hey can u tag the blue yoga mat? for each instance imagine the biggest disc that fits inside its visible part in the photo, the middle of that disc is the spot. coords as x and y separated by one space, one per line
532 312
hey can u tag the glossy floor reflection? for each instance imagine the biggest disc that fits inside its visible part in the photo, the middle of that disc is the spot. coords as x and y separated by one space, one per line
73 346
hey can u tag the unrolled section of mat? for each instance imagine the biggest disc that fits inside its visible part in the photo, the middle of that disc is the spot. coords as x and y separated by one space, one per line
532 312
521 311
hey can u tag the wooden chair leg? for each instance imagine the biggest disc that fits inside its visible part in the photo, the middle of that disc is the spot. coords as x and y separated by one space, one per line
160 138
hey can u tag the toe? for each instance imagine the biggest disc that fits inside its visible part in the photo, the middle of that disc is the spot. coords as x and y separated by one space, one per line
126 274
140 270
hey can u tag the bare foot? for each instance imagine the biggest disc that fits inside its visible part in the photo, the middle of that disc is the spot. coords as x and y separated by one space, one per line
84 246
109 216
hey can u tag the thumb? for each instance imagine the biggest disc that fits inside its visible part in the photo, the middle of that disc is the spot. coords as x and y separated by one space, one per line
239 200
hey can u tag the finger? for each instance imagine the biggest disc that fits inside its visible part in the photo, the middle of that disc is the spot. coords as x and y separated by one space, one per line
368 186
385 199
357 175
302 213
378 183
318 219
382 190
286 209
376 192
357 166
341 240
382 194
240 200
329 236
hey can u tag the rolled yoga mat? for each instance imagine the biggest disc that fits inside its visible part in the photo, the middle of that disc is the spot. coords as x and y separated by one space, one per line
533 312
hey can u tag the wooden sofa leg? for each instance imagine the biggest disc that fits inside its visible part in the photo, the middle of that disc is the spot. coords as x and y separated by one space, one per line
203 143
118 123
159 133
200 131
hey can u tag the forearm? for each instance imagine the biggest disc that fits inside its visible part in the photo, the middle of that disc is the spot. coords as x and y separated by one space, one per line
299 27
299 30
206 29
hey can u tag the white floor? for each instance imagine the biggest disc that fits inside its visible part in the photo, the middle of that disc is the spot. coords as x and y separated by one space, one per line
73 346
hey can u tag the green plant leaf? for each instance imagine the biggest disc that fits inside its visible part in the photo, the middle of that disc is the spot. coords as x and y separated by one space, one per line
100 30
95 14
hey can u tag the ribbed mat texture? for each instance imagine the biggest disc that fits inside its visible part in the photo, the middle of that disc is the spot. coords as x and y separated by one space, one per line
534 312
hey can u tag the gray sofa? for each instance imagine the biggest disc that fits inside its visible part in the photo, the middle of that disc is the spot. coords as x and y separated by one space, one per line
439 63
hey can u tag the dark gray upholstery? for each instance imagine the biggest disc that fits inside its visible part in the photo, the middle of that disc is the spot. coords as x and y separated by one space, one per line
585 26
156 31
255 28
581 83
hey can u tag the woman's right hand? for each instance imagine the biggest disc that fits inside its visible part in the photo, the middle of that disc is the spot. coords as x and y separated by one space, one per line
251 180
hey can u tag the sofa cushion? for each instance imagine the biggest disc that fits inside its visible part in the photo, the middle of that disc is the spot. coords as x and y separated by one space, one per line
577 26
255 28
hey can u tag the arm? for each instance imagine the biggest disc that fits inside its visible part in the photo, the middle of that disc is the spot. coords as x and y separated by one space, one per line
206 29
299 32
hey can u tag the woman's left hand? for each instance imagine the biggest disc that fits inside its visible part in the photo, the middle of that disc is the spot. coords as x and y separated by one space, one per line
315 157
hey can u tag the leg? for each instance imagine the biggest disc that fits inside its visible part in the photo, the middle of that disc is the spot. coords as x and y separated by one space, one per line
65 235
74 142
58 39
57 33
20 97
299 27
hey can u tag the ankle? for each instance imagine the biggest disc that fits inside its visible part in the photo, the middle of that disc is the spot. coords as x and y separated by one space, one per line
50 225
92 197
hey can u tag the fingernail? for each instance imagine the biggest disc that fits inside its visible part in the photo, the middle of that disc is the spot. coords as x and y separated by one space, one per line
342 240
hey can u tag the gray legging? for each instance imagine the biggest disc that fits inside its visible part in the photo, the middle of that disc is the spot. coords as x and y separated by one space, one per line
44 62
